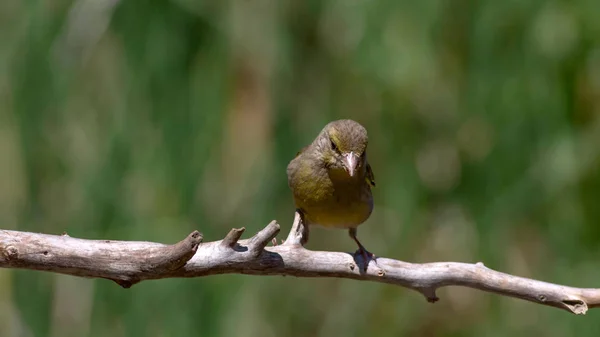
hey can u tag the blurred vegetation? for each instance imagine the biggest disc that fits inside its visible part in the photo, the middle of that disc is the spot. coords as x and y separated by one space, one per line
144 120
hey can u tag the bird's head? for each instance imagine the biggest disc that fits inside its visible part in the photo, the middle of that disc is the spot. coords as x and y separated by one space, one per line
343 145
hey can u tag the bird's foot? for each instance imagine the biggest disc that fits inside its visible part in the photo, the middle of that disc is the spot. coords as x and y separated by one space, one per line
367 257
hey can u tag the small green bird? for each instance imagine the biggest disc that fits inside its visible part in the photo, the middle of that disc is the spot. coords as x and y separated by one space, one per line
331 180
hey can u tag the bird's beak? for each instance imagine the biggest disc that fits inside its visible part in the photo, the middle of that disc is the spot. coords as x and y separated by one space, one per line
350 162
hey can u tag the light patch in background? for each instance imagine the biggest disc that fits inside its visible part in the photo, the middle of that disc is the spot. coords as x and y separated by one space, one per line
452 236
72 306
438 165
555 31
436 102
11 324
475 138
342 26
87 21
344 304
593 72
245 315
245 153
408 58
568 158
13 193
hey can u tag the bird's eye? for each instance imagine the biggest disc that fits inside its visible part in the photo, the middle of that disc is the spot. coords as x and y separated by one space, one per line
333 146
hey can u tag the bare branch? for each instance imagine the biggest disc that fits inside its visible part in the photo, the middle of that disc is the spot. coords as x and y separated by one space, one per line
129 262
174 256
259 241
298 236
233 236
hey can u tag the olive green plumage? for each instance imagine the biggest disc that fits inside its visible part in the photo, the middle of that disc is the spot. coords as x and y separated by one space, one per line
331 179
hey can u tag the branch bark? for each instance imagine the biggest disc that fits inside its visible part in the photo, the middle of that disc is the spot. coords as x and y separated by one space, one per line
129 262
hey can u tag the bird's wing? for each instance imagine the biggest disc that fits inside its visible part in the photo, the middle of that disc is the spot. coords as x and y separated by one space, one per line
370 176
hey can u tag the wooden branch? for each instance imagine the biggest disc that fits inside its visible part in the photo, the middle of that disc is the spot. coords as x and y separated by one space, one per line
128 262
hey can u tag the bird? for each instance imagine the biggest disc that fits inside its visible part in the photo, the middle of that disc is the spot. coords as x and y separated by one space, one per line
331 180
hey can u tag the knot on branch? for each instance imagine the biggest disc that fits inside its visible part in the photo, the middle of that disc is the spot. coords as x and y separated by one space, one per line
257 243
9 252
173 257
298 235
126 284
232 237
576 306
429 293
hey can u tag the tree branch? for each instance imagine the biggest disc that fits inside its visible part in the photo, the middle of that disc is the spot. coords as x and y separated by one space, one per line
129 262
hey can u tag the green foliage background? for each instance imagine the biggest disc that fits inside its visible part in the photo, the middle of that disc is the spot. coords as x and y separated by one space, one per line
144 120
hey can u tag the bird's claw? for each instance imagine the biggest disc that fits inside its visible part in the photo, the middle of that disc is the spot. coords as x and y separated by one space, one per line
366 257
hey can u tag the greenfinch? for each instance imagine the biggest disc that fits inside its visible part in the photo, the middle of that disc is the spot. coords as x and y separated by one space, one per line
331 180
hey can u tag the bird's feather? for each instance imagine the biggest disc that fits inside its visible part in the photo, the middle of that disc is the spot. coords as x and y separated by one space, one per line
301 151
370 176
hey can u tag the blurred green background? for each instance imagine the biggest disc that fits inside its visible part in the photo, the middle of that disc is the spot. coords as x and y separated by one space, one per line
144 120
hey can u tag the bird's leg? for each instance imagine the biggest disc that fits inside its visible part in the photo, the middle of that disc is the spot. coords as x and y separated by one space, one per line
303 228
366 255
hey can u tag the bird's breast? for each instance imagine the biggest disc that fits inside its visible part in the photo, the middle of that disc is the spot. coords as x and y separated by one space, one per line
327 201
